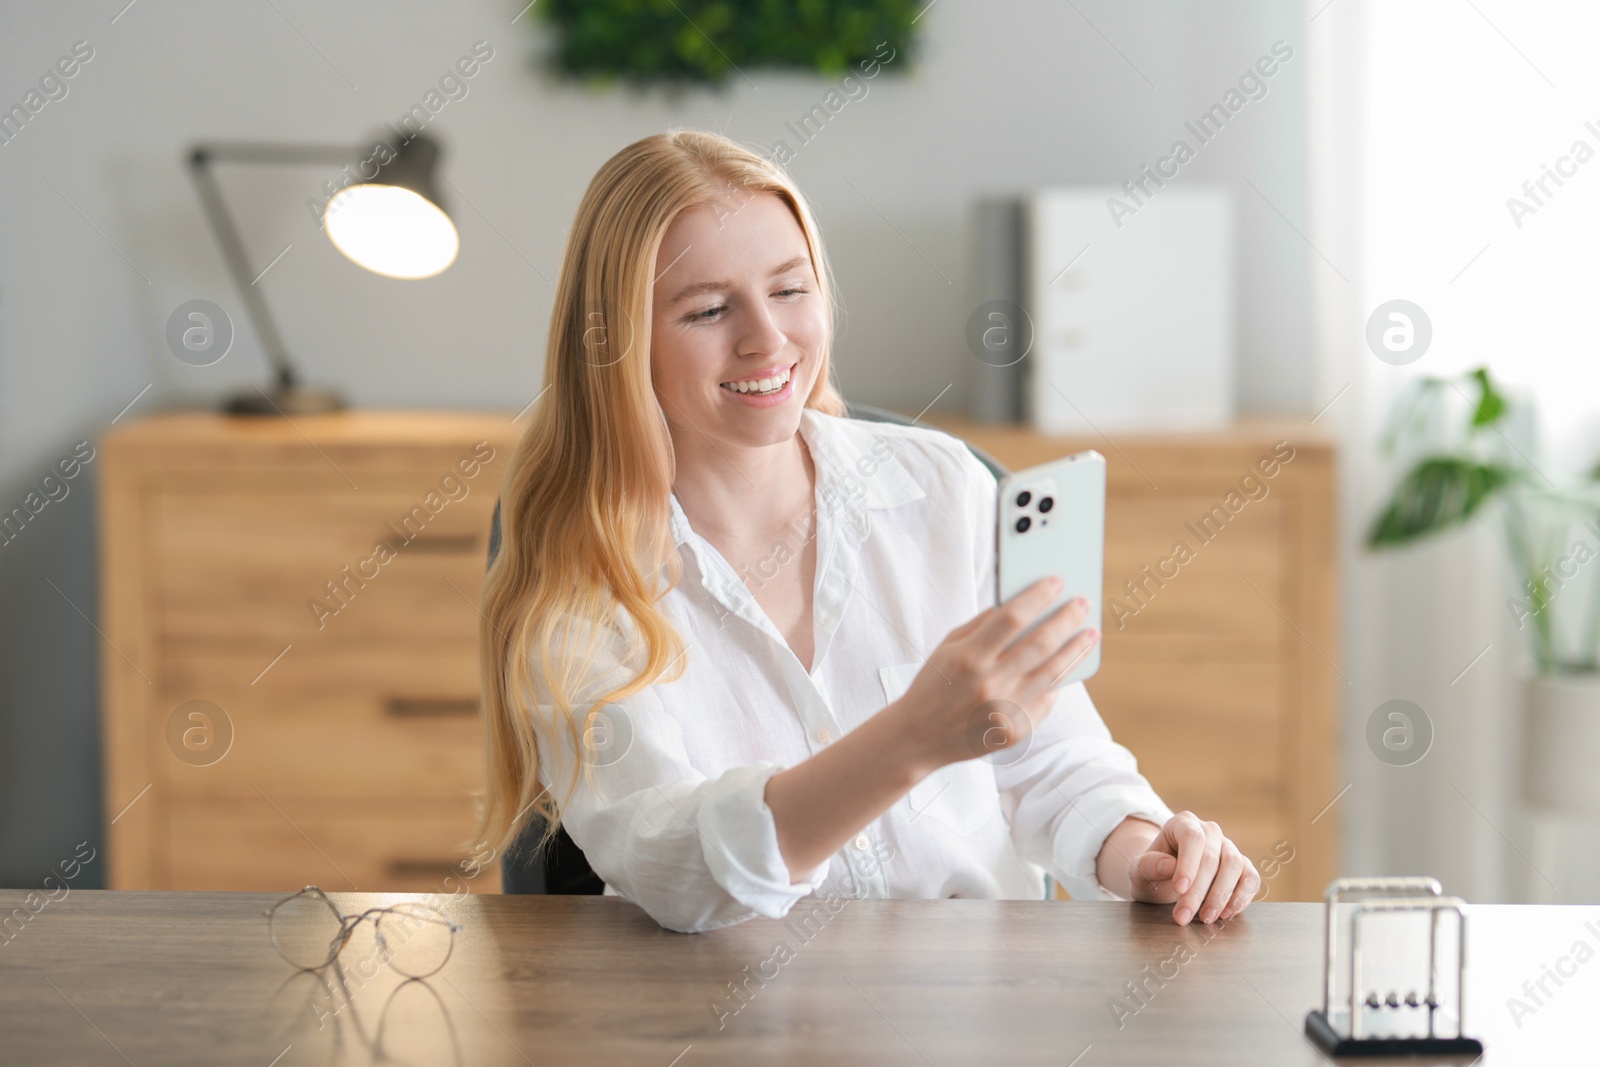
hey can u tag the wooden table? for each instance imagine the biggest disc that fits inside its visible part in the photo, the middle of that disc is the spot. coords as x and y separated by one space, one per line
190 978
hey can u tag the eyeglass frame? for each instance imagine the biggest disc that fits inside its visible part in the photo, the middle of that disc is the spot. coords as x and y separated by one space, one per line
348 925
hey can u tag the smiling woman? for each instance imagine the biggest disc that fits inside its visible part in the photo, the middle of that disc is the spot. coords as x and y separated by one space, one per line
739 742
588 504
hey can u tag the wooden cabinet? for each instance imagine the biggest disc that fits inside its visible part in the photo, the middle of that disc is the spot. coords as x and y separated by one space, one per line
355 741
1218 666
290 668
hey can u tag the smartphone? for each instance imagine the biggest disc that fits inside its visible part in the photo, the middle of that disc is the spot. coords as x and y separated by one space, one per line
1052 520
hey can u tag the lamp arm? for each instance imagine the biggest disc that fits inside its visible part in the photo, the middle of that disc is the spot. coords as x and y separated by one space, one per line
201 157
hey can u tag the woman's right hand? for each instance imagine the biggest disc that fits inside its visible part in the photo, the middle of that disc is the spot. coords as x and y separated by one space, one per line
975 695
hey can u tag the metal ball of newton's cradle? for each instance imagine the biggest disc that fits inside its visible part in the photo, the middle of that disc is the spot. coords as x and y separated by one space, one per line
1394 1000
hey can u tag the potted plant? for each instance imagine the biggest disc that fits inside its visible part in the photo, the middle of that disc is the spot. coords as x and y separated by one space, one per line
1553 534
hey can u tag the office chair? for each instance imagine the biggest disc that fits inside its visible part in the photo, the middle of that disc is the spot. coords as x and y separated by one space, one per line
562 868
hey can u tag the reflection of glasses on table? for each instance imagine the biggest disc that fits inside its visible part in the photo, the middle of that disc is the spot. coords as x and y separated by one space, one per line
308 931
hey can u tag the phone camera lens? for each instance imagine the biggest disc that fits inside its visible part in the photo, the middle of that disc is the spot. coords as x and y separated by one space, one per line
1046 503
1023 498
1023 524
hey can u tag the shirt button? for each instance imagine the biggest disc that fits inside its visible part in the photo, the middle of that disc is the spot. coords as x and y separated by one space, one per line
862 843
824 735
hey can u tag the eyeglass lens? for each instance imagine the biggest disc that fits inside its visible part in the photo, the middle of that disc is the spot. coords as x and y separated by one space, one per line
416 939
305 930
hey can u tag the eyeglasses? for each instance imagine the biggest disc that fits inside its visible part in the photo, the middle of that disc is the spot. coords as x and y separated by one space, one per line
308 931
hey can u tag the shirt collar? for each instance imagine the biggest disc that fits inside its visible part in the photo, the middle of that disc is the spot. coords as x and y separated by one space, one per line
856 468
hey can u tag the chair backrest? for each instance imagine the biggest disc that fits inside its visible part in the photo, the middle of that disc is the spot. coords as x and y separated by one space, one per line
562 868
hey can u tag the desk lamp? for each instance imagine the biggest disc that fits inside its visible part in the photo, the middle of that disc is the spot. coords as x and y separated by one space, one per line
392 224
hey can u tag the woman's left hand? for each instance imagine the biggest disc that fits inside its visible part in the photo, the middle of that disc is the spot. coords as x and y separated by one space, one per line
1192 865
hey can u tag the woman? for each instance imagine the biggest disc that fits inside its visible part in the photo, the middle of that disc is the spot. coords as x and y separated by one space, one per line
717 641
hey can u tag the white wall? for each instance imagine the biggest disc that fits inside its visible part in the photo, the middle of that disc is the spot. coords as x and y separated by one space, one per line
1413 162
101 236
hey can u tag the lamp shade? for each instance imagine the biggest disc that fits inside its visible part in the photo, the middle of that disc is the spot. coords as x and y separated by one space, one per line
394 224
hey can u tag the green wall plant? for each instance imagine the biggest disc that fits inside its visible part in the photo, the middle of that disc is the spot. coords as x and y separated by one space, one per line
681 43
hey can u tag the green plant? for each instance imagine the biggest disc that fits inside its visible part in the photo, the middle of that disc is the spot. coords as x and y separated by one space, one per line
684 42
1461 470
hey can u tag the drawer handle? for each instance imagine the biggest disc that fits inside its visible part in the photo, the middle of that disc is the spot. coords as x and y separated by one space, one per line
445 544
431 707
422 868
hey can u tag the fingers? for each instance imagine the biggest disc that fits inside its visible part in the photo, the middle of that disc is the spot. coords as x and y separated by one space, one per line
1230 866
1198 846
1048 637
1210 879
1190 900
1006 620
1065 660
1185 835
1249 886
1152 878
1036 690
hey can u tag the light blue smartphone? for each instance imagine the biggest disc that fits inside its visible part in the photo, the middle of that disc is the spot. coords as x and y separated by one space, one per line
1052 520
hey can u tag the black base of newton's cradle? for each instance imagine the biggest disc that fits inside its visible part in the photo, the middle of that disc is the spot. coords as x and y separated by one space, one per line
1336 1044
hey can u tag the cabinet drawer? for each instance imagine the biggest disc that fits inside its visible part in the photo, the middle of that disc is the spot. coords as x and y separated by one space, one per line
1207 735
402 724
281 567
306 533
1208 598
254 847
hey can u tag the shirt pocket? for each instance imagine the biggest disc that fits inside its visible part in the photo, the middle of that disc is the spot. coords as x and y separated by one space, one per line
897 679
962 797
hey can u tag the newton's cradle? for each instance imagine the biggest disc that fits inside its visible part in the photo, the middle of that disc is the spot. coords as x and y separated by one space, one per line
1379 1023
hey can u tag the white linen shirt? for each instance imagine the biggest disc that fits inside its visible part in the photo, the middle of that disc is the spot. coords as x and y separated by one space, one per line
677 821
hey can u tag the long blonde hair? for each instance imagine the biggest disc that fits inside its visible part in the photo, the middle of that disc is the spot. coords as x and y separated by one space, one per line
585 518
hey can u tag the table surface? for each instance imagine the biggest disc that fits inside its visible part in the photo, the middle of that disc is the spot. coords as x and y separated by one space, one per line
179 978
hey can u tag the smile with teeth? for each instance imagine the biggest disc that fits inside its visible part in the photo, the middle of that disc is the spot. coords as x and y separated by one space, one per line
762 386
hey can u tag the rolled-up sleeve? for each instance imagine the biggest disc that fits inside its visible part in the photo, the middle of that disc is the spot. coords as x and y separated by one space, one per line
1069 790
695 852
1073 784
